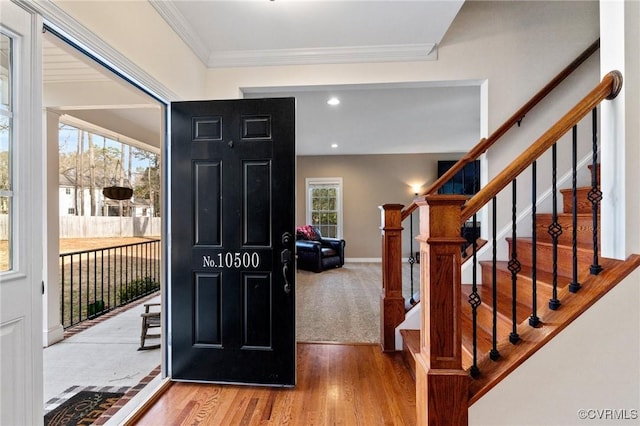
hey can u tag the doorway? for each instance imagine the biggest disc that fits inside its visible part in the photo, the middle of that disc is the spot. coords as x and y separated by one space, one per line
112 124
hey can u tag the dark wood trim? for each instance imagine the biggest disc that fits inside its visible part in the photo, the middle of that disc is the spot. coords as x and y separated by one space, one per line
441 383
392 311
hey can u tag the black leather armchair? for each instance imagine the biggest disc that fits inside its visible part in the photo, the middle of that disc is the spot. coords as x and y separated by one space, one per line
319 253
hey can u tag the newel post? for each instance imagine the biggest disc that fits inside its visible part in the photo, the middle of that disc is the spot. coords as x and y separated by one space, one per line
442 385
391 299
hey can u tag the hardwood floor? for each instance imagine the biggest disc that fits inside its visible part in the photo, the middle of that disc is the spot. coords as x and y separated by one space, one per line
337 384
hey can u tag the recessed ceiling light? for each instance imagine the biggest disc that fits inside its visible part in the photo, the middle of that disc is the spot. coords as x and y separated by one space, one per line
334 145
333 101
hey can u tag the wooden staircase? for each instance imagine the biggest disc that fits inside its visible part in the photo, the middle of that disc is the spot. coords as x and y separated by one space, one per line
551 321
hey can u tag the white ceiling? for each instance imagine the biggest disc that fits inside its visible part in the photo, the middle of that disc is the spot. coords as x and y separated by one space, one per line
371 119
236 33
384 119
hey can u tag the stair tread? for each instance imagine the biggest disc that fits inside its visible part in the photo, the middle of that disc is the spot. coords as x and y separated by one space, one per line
410 347
529 240
579 188
553 321
483 339
523 309
411 339
565 215
543 278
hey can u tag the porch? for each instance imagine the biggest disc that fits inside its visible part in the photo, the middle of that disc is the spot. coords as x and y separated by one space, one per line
102 354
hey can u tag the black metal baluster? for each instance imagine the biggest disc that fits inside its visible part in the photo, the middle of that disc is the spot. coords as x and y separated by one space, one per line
412 260
126 272
474 301
595 195
71 291
111 305
88 284
514 267
62 291
574 286
102 279
146 261
534 321
119 258
80 289
95 283
555 230
494 354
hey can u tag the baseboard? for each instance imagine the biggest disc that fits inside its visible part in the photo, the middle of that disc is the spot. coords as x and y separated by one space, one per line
52 335
363 260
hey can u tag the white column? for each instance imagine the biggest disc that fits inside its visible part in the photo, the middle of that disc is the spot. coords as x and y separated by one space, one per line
52 324
620 154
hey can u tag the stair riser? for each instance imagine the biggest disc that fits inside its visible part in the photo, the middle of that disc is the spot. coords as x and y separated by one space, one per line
524 291
545 258
485 317
584 234
582 193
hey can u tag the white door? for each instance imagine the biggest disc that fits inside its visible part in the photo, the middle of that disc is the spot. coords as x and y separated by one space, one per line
21 217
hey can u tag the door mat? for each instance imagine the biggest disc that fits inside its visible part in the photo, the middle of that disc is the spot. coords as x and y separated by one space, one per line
83 408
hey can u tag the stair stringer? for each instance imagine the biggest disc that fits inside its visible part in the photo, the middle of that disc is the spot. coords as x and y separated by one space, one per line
592 365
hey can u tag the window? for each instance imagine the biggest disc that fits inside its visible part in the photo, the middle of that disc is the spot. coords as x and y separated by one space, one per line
324 205
67 191
6 142
71 211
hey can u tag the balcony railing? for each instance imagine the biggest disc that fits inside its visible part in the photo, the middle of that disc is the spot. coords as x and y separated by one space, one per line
93 282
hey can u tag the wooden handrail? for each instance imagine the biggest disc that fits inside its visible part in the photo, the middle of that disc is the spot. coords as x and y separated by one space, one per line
608 88
486 143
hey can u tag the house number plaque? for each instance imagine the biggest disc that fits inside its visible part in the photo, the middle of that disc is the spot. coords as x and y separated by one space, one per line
232 260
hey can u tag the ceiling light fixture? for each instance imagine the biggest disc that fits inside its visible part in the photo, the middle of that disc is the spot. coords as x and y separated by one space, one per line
333 101
334 145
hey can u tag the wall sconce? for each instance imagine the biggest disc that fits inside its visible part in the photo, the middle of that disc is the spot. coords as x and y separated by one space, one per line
416 187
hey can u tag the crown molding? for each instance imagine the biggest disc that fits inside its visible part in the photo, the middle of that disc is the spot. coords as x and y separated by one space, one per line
331 55
180 25
83 38
310 56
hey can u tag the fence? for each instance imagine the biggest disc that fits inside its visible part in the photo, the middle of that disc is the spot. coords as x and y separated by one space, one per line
93 282
109 226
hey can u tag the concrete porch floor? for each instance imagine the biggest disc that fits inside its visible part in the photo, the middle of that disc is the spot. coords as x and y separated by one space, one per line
103 355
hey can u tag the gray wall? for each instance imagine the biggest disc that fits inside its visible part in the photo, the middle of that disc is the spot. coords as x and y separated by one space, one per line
368 182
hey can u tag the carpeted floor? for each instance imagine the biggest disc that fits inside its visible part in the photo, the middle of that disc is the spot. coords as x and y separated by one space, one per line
340 305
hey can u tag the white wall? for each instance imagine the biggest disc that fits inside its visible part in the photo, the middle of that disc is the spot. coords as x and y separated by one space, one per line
516 47
135 29
595 363
588 366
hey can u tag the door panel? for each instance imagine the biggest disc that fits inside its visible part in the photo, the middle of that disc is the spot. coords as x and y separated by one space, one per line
231 289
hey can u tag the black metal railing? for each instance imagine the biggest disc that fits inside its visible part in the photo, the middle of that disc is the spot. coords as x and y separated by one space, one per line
521 275
93 282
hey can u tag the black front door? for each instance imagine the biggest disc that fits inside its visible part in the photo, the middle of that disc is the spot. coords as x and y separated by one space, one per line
231 290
